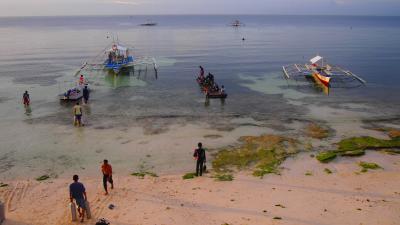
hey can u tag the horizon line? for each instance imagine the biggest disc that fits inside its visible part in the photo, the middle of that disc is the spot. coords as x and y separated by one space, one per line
194 14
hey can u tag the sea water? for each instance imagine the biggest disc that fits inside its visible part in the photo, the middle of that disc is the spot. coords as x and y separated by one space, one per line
132 118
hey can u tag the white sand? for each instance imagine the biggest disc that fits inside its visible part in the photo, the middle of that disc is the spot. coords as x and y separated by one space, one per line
339 198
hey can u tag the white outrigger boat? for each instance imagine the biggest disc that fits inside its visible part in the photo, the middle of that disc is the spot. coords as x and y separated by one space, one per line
321 72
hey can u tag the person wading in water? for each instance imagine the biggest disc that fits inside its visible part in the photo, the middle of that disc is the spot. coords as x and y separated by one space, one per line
200 156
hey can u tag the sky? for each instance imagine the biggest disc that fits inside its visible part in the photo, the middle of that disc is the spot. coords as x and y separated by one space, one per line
150 7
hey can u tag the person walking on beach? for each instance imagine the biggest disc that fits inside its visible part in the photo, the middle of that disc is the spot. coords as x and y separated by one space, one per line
85 94
25 99
77 110
77 191
200 156
106 169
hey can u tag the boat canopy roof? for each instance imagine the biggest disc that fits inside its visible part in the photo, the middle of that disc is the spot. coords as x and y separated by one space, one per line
315 59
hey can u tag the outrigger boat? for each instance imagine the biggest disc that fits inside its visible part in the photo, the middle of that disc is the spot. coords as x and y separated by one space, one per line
322 73
206 89
116 58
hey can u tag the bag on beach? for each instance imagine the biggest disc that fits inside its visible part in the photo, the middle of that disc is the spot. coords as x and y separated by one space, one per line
88 212
204 168
73 211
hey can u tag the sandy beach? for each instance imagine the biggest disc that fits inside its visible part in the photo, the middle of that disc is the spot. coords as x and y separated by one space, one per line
343 197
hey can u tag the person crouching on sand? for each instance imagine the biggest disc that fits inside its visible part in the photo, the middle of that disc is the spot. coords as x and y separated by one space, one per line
77 191
106 169
200 156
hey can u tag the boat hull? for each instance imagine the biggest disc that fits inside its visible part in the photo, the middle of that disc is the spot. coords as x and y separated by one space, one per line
322 79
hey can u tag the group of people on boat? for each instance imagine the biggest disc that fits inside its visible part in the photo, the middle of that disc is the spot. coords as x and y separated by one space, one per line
116 56
209 84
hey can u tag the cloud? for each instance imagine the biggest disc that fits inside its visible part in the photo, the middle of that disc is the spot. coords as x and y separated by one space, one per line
126 2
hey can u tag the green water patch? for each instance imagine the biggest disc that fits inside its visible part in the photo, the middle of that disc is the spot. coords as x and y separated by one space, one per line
271 83
262 154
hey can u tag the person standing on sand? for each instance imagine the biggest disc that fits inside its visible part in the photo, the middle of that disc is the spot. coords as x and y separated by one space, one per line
106 169
77 110
77 191
200 156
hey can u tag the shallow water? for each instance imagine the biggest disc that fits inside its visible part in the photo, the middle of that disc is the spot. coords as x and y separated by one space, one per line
42 54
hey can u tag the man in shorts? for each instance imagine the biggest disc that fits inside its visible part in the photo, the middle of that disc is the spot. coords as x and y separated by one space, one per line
77 191
77 114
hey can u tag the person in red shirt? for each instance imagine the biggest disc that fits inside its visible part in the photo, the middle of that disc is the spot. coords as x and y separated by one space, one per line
106 169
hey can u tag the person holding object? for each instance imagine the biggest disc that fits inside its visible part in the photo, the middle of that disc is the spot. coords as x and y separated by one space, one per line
200 156
106 169
77 191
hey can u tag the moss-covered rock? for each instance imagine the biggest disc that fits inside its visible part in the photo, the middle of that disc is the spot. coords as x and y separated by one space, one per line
142 174
368 165
263 154
3 184
326 156
362 143
223 177
317 131
328 171
189 176
353 153
43 177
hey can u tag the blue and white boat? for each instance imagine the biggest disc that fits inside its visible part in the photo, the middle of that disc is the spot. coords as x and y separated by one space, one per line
118 58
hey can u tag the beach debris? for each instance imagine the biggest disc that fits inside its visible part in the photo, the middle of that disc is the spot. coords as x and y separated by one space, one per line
312 155
167 208
316 131
359 209
325 210
3 184
111 206
277 218
264 211
365 166
263 154
189 176
328 171
280 205
223 177
102 221
326 156
308 173
142 174
43 177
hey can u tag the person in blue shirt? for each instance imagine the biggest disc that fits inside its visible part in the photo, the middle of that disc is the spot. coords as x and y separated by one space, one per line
77 191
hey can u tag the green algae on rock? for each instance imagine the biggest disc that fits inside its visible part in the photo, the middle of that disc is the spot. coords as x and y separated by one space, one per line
362 143
43 177
357 152
189 176
328 171
365 166
142 174
223 177
262 153
326 156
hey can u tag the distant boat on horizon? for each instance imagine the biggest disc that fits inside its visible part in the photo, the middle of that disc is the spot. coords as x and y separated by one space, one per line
149 23
237 23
